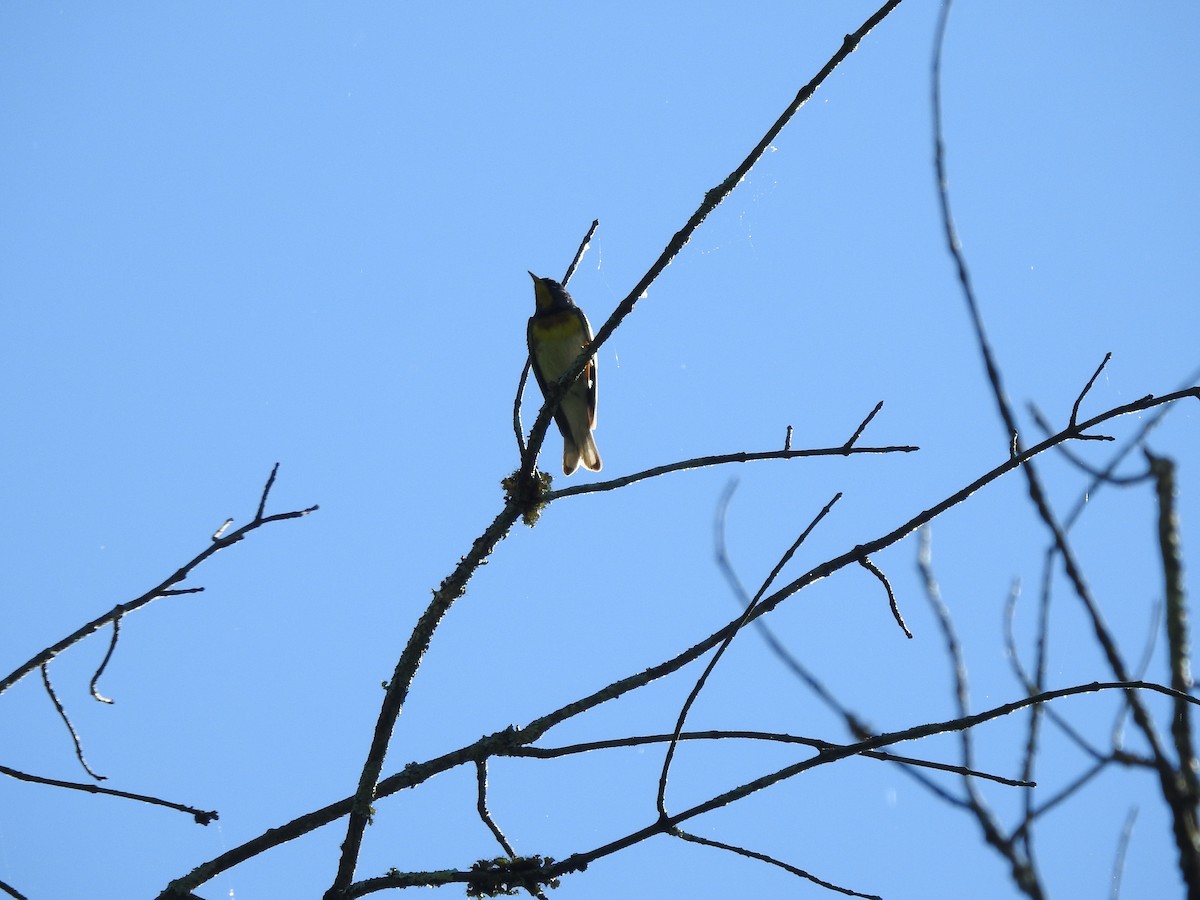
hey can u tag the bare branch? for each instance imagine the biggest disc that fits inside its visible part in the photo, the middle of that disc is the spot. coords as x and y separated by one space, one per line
866 563
580 861
453 587
502 743
723 459
955 246
262 504
1147 424
481 806
202 817
712 199
517 428
762 857
1122 848
642 740
62 714
583 248
164 589
863 427
1185 797
856 726
1088 387
112 646
712 663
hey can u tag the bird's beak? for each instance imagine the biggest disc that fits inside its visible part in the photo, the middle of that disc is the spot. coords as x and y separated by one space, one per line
531 275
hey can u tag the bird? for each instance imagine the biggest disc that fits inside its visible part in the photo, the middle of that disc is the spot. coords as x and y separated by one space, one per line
558 332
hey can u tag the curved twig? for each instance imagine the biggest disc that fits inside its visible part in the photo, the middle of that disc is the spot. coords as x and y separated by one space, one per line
62 714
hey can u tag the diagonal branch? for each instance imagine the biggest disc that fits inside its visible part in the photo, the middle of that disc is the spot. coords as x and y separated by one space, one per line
166 588
712 199
495 743
455 584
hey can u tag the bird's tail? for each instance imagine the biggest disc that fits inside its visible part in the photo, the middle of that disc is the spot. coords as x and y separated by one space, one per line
586 453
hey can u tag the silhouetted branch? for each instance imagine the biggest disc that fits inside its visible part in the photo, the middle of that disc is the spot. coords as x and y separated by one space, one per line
455 584
62 714
894 604
1119 859
481 807
856 727
502 743
712 663
202 817
642 740
583 248
664 823
1187 837
762 857
163 589
720 460
863 426
1181 786
1087 387
112 646
712 199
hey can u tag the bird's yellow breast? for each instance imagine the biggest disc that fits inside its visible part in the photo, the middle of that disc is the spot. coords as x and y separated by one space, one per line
563 327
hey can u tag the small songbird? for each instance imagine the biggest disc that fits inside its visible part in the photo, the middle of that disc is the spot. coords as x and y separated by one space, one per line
558 331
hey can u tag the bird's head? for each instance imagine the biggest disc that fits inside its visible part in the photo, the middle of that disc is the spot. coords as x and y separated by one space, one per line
549 295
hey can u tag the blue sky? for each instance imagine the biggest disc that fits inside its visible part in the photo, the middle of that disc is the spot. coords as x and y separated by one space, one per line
235 235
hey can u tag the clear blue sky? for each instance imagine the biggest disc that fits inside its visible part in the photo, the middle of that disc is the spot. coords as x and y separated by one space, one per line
235 234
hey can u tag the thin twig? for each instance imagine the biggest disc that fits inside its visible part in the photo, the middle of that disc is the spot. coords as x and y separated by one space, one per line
1087 387
816 743
202 816
1039 419
165 589
1020 864
517 427
762 857
112 646
855 725
863 427
583 247
262 503
1118 871
62 714
701 462
716 657
481 807
894 604
1035 683
952 240
1147 424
